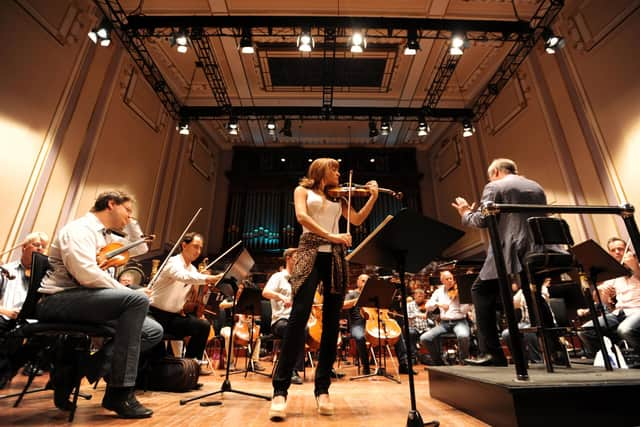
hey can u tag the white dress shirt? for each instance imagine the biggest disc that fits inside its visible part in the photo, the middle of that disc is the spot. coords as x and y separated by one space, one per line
279 283
13 292
456 311
170 290
72 256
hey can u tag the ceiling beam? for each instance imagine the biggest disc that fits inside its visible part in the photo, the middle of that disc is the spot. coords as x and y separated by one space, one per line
150 22
317 113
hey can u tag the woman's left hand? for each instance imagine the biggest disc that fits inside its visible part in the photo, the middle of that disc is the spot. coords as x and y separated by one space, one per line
373 188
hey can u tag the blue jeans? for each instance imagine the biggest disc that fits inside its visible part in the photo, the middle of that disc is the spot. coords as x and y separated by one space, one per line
430 338
625 326
124 309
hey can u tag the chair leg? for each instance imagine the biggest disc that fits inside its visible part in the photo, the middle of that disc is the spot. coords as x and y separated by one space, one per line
32 375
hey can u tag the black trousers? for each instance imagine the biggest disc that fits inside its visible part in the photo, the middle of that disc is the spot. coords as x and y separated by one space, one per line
279 329
484 294
183 326
294 335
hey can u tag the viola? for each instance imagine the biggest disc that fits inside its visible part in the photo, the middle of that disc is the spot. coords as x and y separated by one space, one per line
453 292
116 254
357 190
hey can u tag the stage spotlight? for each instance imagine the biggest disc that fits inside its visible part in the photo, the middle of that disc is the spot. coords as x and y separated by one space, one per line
385 127
423 127
183 126
467 128
232 126
101 34
552 42
305 41
373 130
357 42
413 46
271 126
457 45
246 43
180 40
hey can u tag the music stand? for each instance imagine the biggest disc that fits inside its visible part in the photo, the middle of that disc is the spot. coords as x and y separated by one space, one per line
237 271
599 265
465 281
406 242
248 303
378 293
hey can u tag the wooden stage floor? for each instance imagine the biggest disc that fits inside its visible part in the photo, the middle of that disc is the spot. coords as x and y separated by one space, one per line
370 402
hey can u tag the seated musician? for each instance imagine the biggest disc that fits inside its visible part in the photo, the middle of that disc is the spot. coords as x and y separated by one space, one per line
241 329
76 289
14 284
453 317
278 291
358 330
624 320
530 339
419 321
169 294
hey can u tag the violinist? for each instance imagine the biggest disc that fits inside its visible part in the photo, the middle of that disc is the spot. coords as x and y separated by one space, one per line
419 321
278 291
453 317
319 258
170 291
77 290
624 320
15 283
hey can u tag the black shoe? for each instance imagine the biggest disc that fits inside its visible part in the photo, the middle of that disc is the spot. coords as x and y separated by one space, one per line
30 368
122 400
366 370
335 374
487 360
296 379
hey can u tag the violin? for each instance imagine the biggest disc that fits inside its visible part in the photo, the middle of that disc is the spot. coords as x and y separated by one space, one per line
357 190
116 254
453 292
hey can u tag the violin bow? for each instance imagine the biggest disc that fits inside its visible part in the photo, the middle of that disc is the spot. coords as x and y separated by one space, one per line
235 245
174 248
349 202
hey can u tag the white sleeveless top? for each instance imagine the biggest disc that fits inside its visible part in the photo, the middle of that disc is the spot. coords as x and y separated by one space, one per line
325 212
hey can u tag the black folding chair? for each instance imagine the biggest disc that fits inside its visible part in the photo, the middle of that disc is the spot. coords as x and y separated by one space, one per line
80 333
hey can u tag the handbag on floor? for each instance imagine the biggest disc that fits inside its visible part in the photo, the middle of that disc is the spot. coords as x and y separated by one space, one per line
173 374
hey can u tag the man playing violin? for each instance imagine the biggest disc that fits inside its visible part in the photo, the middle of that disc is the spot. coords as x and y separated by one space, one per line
170 291
453 317
77 290
418 316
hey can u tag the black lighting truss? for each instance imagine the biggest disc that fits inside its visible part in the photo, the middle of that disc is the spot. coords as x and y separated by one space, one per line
133 29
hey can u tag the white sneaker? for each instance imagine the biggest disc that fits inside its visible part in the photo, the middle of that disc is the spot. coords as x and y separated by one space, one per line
325 407
278 410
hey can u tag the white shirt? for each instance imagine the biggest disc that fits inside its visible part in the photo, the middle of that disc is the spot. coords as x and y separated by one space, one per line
456 311
72 256
627 293
13 292
324 212
279 283
170 290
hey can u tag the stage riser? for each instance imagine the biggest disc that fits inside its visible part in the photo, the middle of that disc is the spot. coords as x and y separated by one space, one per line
599 404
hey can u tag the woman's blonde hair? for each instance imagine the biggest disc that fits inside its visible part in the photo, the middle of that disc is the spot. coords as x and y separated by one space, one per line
318 170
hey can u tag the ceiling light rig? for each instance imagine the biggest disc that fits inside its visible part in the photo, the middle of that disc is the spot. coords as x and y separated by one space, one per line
101 34
357 42
385 126
183 126
423 127
413 46
180 40
305 41
373 129
271 126
232 126
552 42
286 128
246 42
458 43
467 128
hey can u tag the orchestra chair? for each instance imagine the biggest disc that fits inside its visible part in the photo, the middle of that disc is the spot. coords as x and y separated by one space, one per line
554 237
79 333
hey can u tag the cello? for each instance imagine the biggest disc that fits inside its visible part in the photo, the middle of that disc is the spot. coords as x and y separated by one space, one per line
380 328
